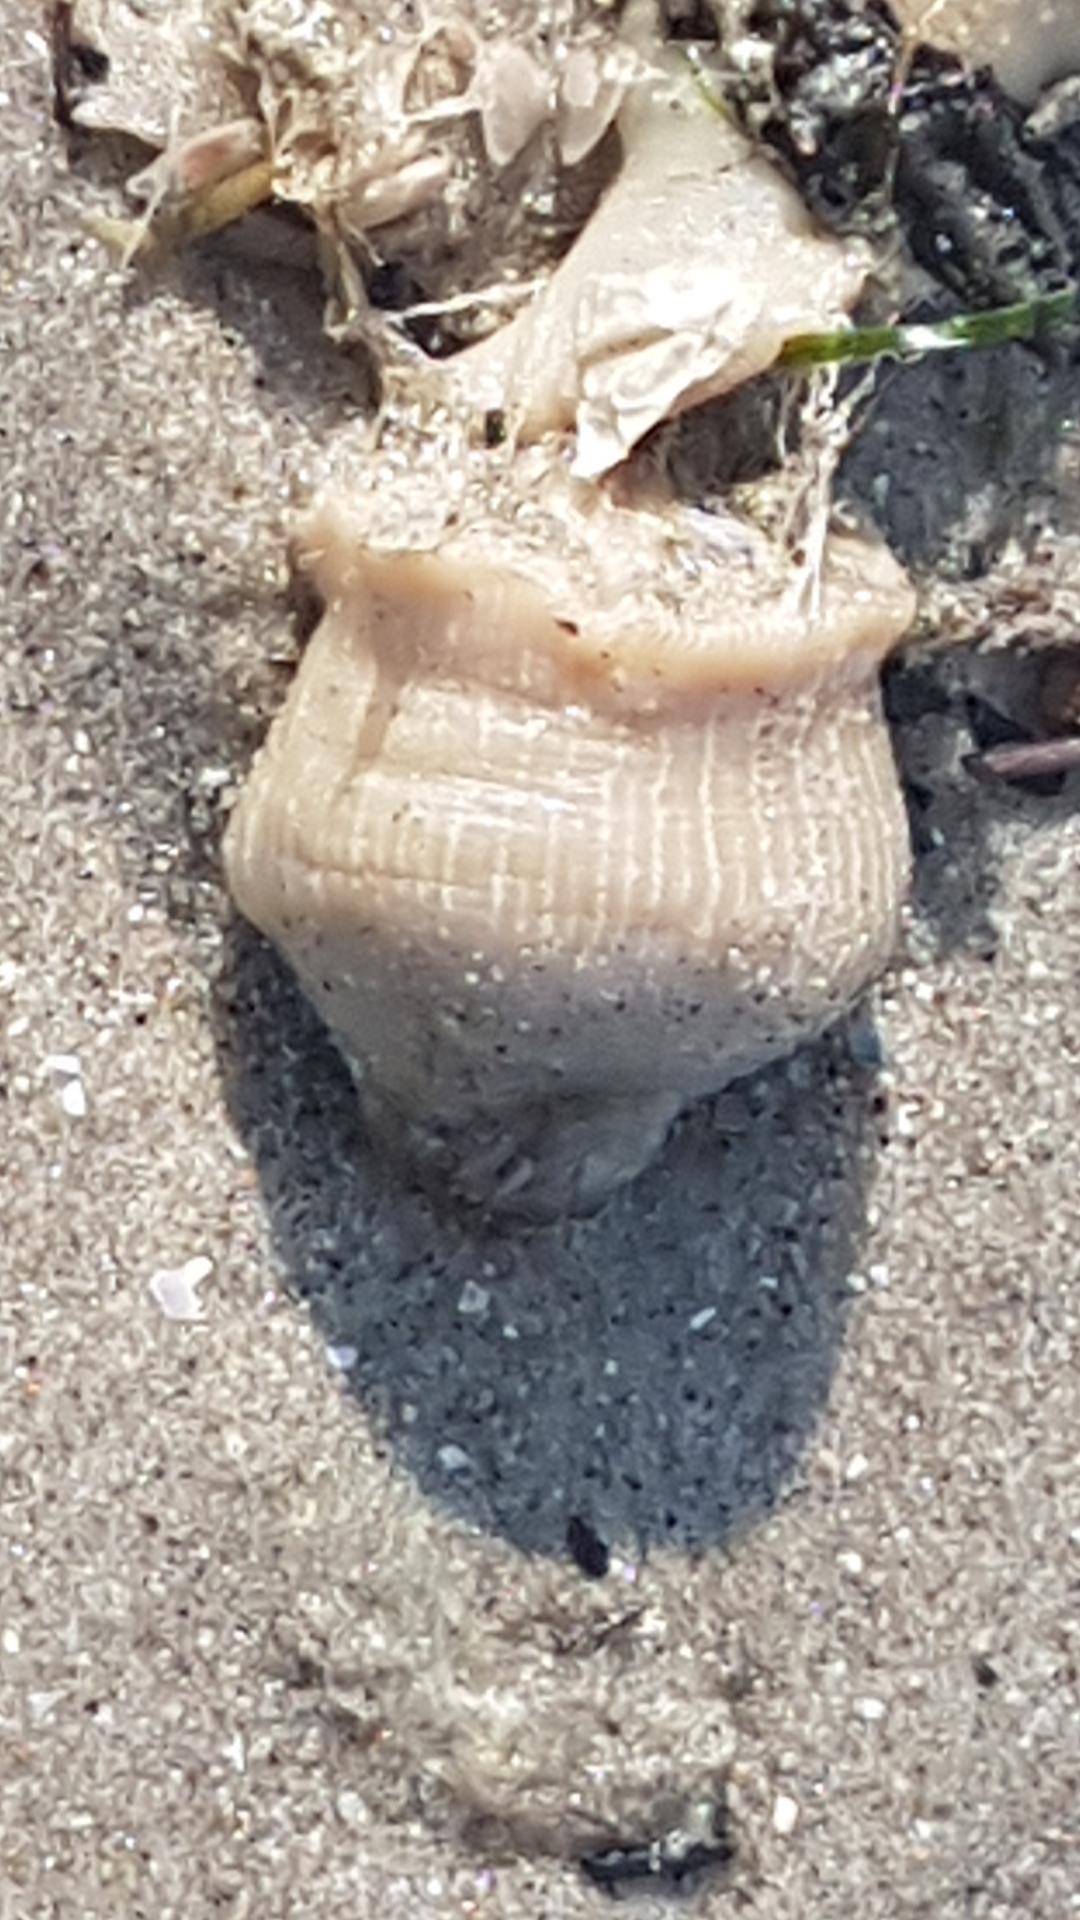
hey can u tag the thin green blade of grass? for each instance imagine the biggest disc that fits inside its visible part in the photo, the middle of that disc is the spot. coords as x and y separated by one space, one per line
859 346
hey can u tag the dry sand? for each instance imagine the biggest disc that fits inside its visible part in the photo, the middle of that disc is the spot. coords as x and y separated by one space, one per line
285 1603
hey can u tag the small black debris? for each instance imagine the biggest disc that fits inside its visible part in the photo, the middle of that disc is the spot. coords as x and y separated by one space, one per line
586 1548
704 1843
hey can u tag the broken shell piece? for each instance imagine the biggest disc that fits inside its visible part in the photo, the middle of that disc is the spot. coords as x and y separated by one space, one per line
562 830
1029 43
698 265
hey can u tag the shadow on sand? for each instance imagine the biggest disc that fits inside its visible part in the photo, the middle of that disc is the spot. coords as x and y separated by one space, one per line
655 1373
652 1374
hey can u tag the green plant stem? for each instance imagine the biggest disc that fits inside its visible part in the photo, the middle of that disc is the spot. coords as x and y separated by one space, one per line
858 346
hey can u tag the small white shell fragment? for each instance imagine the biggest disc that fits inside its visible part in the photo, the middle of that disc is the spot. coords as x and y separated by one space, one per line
342 1358
67 1065
41 1704
352 1809
176 1289
67 1068
73 1099
473 1299
870 1709
453 1459
785 1817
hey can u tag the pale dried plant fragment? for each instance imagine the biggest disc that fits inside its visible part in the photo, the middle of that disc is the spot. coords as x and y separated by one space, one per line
193 188
192 216
373 127
698 265
591 89
513 96
192 164
370 126
418 176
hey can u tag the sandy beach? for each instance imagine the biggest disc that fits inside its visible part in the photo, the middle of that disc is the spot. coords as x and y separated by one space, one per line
289 1624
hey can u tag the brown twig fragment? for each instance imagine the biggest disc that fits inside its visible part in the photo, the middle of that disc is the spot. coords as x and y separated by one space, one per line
1028 759
70 61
